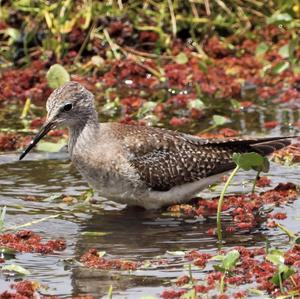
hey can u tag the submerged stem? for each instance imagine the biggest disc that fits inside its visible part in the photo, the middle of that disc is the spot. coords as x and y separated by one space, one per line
220 203
255 181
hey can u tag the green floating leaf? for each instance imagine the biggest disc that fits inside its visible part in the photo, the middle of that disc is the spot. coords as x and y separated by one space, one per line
176 253
181 58
284 51
15 268
46 146
280 67
261 49
235 104
292 47
57 76
13 33
264 167
95 234
279 18
297 240
217 258
219 268
101 253
219 120
285 273
7 252
250 160
196 104
247 160
276 259
230 259
54 198
203 66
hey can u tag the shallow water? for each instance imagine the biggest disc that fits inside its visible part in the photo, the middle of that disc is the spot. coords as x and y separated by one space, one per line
135 234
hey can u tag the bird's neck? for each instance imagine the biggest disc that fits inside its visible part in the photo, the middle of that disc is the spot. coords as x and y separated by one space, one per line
81 133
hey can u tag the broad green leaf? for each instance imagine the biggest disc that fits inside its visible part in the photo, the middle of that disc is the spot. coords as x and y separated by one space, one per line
249 161
261 49
95 234
203 66
284 51
196 104
176 253
275 251
279 18
54 197
297 240
15 268
292 46
217 258
264 167
7 252
275 259
219 268
230 260
181 58
46 146
13 33
285 273
280 67
146 108
101 253
57 76
219 120
235 104
97 60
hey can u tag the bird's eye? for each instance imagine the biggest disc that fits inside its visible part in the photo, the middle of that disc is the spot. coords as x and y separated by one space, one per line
67 107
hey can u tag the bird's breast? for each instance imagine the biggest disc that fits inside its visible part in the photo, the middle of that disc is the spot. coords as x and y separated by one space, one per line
107 170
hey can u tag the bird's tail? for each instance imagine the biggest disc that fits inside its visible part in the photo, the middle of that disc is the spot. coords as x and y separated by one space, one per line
269 145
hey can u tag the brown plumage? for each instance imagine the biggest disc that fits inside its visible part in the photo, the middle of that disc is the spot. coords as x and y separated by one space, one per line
165 159
143 166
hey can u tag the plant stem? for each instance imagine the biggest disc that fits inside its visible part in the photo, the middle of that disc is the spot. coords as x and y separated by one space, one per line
220 203
255 181
173 18
110 292
290 234
31 222
222 283
280 283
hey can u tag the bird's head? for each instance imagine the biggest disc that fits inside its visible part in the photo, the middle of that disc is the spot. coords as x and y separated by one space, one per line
68 106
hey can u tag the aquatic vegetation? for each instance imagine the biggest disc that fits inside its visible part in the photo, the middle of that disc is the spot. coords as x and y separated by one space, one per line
212 68
27 241
246 161
94 259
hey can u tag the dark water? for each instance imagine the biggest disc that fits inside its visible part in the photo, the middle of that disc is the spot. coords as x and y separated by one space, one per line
135 234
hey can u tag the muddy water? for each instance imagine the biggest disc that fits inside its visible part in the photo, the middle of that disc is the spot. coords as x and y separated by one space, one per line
135 234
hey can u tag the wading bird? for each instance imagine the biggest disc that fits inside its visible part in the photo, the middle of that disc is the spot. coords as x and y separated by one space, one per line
138 165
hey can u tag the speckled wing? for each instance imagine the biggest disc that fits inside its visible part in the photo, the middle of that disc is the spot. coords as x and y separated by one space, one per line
164 159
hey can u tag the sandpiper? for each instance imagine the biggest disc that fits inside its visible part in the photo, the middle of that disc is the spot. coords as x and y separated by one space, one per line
137 165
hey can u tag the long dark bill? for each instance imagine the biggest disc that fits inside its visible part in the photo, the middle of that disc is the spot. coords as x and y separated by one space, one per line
43 131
